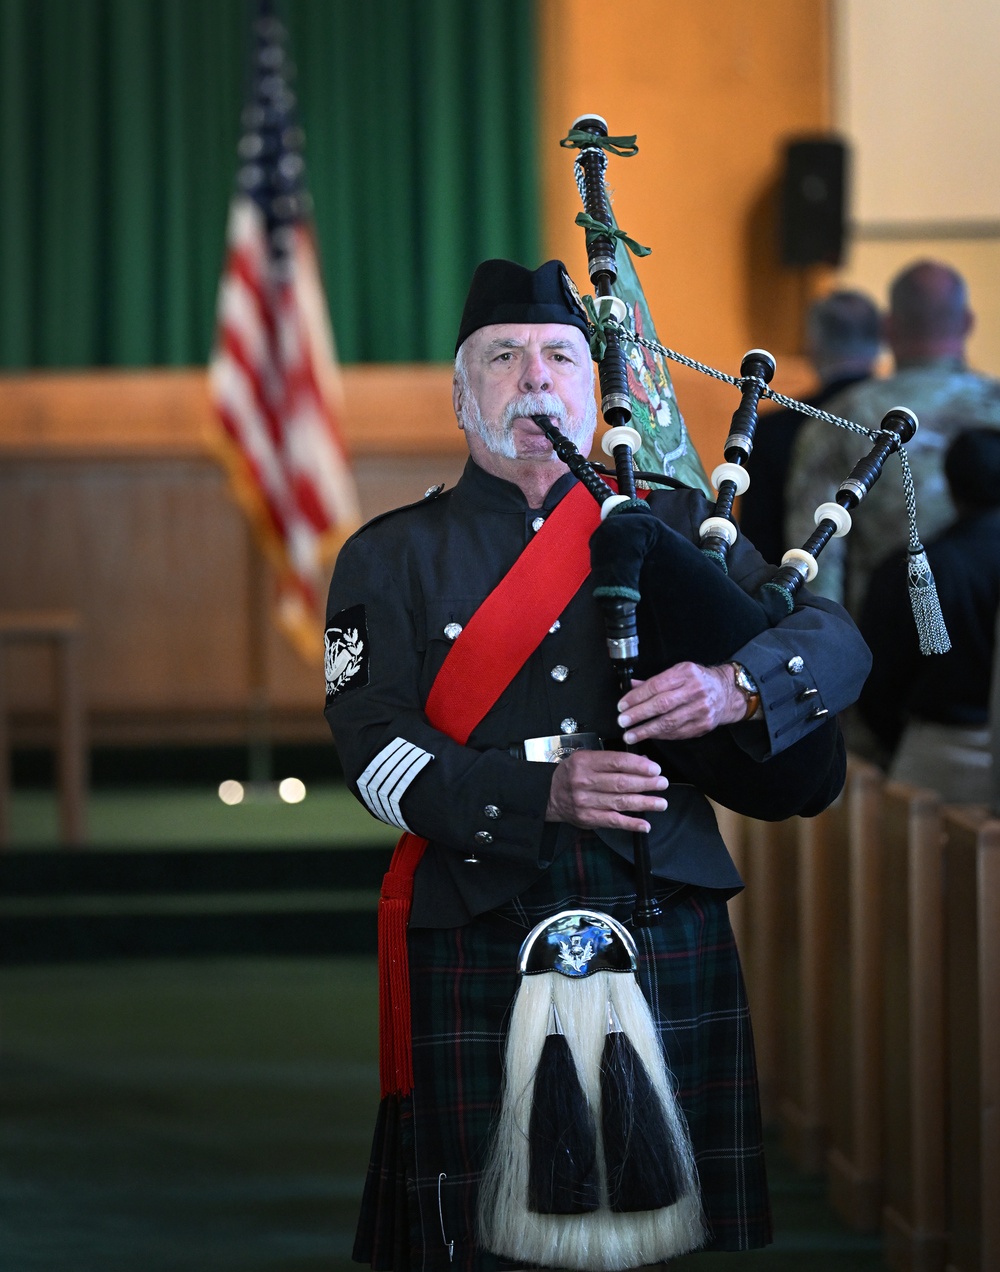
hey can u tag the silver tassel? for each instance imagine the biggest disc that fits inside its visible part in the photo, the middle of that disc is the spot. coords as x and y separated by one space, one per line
931 630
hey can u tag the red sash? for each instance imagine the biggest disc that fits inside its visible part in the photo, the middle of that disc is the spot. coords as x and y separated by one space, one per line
492 648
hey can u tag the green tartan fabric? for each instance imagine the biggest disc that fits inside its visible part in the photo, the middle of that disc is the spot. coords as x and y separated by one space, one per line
419 1208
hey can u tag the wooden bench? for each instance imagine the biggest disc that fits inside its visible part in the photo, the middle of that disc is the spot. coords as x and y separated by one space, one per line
60 631
913 1215
972 1034
854 1160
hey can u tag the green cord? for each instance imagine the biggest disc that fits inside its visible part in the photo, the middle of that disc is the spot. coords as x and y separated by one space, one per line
579 139
597 229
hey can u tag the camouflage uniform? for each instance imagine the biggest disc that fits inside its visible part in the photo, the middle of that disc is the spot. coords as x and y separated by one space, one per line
946 398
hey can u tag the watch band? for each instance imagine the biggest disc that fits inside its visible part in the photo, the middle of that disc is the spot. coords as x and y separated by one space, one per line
747 686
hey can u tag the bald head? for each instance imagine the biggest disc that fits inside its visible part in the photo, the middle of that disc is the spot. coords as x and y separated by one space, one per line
929 315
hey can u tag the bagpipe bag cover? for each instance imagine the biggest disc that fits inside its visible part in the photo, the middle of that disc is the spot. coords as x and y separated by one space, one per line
691 611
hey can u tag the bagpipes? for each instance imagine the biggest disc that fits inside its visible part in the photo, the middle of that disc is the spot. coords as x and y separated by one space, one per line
591 1165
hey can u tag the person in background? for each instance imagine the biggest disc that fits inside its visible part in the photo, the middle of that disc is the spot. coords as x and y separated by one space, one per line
931 713
843 335
927 327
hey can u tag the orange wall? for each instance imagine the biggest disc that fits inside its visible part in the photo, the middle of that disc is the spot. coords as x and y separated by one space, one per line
712 88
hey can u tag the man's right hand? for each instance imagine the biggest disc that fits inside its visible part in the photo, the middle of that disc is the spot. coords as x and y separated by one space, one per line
601 788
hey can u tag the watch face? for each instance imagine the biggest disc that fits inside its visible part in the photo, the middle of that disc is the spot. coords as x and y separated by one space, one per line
745 680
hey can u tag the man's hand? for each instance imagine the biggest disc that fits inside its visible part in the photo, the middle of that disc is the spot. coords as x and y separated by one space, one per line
601 788
685 701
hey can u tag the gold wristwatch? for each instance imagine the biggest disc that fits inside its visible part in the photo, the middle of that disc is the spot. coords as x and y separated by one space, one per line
747 686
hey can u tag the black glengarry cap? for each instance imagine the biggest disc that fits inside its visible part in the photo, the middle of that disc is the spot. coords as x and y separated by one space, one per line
503 291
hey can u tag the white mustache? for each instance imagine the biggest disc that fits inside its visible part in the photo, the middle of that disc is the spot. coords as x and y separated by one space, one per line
532 404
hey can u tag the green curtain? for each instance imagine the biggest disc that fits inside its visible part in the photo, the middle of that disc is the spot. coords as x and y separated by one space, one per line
118 128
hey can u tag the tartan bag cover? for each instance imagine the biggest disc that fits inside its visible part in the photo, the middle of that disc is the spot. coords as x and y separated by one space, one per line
489 652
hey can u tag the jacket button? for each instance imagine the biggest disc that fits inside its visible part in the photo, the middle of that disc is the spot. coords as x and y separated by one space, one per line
492 812
537 524
555 627
569 725
483 837
817 713
806 693
795 665
559 672
453 630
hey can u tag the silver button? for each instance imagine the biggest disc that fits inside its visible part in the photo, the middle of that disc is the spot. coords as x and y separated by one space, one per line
569 725
483 837
492 812
559 672
555 627
537 524
806 693
431 491
795 665
818 713
453 631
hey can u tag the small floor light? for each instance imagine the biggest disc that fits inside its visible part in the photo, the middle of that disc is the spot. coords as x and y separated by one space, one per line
292 790
231 792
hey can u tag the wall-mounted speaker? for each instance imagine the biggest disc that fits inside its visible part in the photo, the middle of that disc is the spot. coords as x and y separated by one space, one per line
813 196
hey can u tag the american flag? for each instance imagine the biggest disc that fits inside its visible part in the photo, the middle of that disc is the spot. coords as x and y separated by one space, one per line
273 375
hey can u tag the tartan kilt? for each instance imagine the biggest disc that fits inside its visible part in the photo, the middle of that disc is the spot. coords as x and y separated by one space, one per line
418 1213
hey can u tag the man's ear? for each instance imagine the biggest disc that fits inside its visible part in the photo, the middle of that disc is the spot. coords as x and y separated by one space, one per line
456 399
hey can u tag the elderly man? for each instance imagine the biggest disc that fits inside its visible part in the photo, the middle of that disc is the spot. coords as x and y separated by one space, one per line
927 327
511 840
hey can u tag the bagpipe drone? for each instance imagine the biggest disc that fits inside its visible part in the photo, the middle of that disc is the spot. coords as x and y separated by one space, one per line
591 1165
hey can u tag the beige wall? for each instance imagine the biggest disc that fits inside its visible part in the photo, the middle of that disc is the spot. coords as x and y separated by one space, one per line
919 101
916 90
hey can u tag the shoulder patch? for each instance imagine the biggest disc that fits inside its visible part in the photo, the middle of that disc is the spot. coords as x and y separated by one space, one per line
345 656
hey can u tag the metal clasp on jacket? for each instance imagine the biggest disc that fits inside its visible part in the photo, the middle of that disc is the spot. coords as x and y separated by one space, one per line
449 1245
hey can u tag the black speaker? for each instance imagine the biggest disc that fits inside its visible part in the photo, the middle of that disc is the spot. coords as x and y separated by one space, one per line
813 191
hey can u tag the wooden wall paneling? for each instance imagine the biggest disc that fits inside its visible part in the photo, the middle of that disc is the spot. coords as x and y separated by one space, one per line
913 1216
972 854
112 504
855 1159
153 556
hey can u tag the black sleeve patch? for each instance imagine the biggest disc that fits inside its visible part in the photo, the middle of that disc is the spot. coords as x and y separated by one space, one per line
346 652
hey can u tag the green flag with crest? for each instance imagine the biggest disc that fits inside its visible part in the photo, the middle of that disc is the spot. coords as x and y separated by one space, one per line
666 445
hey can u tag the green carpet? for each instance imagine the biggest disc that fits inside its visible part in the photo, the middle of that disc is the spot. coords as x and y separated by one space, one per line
136 818
214 1115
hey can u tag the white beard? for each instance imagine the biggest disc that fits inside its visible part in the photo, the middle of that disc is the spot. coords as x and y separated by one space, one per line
497 435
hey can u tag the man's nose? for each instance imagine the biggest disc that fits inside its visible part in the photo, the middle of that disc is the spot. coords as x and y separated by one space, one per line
535 377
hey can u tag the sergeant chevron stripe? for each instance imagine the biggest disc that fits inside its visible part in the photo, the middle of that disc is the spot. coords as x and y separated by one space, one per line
386 780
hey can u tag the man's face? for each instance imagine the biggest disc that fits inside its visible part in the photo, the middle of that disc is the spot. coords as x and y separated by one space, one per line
514 371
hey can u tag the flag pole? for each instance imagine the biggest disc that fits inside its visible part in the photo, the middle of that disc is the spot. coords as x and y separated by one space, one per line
260 759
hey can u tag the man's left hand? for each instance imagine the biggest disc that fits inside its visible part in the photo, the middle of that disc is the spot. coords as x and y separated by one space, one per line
685 701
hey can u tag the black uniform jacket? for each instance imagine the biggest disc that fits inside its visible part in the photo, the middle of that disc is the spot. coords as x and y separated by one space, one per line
402 588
